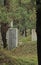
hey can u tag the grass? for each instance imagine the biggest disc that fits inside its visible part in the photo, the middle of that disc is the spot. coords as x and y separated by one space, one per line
25 49
25 39
25 54
14 60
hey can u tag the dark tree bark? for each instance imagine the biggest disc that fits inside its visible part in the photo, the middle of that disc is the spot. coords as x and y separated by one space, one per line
4 28
7 4
38 30
25 32
22 32
4 2
19 2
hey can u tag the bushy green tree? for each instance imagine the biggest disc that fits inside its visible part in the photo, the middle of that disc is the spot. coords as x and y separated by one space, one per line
22 12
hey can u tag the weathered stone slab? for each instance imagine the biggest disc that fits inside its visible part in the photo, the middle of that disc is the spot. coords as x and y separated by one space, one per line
34 36
12 38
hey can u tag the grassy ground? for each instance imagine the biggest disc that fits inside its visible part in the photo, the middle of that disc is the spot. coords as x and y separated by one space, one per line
25 54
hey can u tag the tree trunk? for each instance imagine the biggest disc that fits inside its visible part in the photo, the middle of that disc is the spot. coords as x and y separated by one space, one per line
4 29
38 31
22 32
25 32
7 4
19 2
30 31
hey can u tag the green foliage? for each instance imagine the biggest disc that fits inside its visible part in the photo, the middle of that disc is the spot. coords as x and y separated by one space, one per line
1 2
24 17
4 15
24 14
25 1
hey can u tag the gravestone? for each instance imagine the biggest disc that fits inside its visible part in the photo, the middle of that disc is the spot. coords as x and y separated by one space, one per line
12 38
34 36
11 24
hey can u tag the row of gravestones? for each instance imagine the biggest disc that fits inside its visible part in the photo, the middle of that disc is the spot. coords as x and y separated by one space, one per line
12 37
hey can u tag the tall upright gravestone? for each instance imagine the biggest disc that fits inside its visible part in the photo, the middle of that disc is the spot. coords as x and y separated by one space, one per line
34 36
12 38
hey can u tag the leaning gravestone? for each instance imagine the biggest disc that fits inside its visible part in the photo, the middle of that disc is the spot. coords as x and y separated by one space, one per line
34 36
12 38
